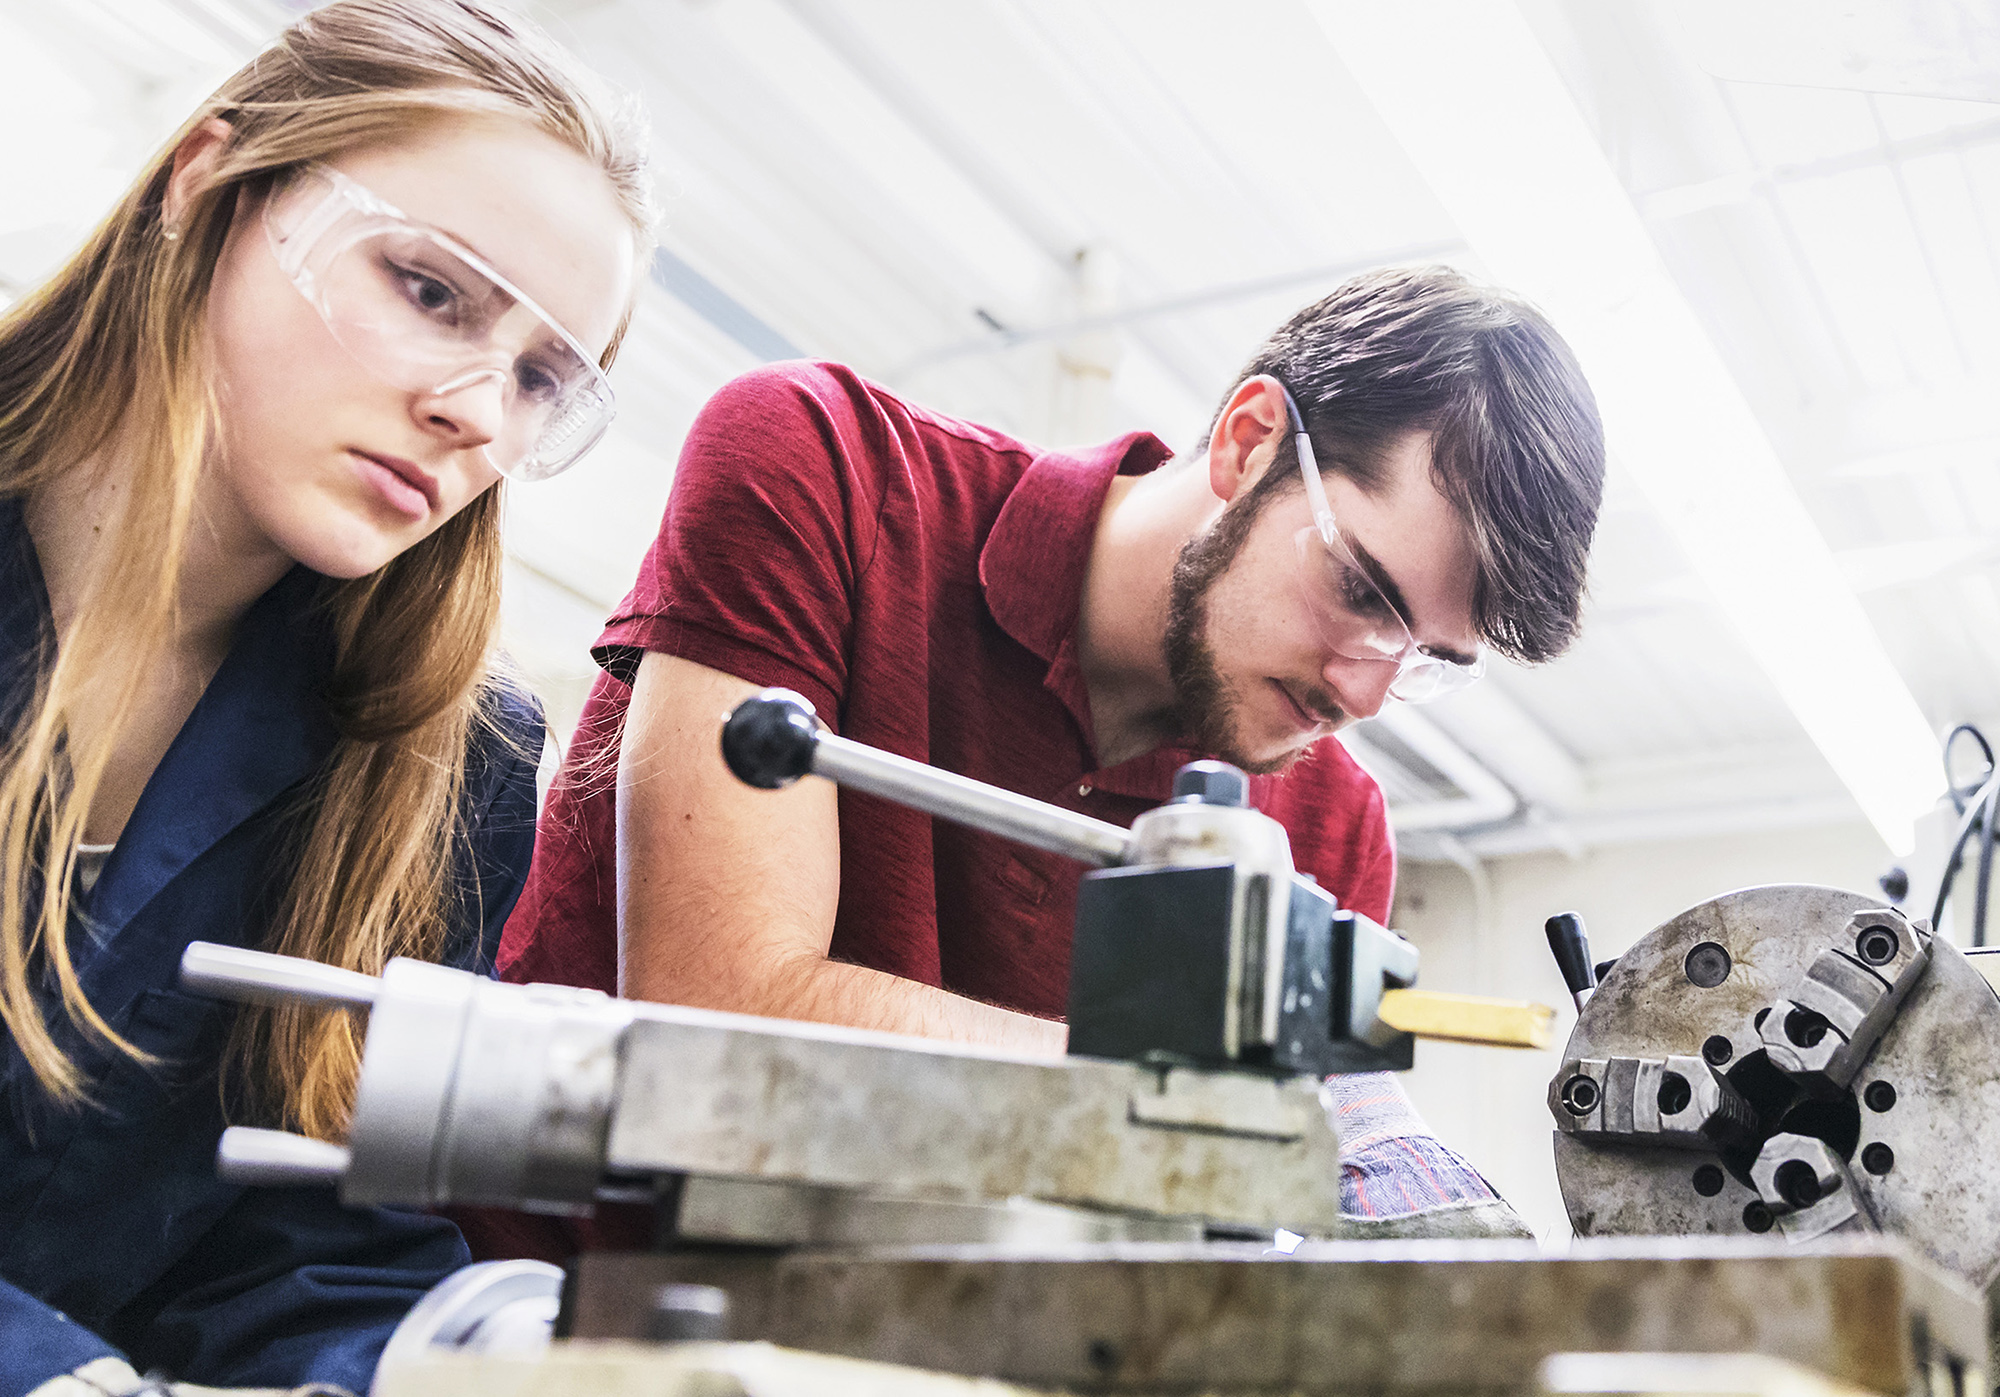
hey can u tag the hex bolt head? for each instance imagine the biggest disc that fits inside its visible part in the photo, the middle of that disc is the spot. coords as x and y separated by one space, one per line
1793 1172
1580 1095
1797 1183
1212 783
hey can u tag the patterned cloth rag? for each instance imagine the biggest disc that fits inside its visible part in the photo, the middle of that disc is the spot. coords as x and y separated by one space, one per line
1393 1169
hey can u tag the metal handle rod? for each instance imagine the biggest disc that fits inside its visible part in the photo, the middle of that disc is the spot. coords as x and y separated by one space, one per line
258 977
277 1159
964 801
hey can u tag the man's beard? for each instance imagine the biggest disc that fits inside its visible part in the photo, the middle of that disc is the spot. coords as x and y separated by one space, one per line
1205 703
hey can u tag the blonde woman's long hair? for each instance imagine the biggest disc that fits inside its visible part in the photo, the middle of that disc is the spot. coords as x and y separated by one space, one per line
111 353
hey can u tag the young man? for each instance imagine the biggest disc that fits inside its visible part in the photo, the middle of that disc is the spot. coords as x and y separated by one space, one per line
1071 625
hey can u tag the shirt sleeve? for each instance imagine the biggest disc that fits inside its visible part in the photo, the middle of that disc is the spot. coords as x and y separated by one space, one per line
1391 1166
773 514
290 1287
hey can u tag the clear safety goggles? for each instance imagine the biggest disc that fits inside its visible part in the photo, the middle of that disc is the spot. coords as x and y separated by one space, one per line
1354 617
426 315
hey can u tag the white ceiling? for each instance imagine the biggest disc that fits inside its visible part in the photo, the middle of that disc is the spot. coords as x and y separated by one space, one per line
992 204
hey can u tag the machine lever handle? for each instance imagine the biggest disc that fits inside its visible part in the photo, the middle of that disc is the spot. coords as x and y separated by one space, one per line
277 1159
768 741
258 977
774 738
1571 946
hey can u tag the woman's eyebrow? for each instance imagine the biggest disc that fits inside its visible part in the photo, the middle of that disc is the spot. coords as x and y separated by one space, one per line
1393 594
468 244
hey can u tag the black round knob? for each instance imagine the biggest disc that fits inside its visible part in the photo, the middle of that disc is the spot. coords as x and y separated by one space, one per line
768 740
1212 783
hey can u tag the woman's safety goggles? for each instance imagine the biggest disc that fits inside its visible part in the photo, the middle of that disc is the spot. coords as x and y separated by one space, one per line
1354 617
426 315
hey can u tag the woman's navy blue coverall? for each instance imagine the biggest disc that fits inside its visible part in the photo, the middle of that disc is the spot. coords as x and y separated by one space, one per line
115 1235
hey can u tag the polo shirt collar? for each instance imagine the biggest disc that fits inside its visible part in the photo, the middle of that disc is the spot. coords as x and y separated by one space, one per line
1033 564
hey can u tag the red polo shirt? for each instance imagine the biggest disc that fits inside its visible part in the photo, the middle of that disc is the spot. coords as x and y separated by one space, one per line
918 578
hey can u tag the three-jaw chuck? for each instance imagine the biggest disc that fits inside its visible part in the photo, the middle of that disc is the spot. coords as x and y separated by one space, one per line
1791 1058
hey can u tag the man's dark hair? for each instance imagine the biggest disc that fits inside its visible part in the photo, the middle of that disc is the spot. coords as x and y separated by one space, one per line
1517 446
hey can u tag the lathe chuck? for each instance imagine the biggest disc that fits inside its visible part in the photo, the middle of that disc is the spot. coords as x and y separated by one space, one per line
1719 1081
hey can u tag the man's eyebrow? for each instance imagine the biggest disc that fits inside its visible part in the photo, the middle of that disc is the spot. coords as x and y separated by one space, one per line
1379 575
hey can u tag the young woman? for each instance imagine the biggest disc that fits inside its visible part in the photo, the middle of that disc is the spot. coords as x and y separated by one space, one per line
250 443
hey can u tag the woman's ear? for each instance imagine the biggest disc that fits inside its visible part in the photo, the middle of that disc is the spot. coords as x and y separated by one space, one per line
194 161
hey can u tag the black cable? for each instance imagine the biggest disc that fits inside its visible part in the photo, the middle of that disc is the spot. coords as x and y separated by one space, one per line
1976 813
1985 870
1960 794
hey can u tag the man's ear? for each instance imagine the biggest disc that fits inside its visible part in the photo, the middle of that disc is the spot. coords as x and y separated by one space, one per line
1247 432
195 160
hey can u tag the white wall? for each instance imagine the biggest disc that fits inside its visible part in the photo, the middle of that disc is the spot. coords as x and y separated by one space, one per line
1490 1103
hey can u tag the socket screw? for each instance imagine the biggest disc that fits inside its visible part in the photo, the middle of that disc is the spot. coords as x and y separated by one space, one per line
1876 945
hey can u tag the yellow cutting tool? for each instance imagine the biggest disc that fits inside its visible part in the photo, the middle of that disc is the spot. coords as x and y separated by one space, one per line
1467 1018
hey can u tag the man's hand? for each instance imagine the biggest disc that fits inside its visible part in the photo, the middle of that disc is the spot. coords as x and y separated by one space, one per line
727 895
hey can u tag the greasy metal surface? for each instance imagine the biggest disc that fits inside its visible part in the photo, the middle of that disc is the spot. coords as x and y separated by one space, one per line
1677 1374
677 1370
747 1211
1832 1201
1186 833
1629 1106
1845 986
1239 1104
1339 1317
1941 1054
898 1117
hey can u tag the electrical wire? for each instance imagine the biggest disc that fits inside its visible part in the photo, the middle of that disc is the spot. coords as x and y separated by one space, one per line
1960 794
1975 803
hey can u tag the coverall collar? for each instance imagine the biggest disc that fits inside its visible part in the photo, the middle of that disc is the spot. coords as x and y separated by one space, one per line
261 726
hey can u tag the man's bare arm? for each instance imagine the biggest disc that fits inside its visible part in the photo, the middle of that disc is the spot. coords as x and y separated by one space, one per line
726 894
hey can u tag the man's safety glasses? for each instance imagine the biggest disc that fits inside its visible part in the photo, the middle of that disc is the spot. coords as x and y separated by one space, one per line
426 315
1354 617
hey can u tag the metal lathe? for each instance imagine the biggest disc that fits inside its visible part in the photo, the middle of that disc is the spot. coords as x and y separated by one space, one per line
1765 1128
